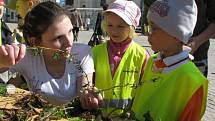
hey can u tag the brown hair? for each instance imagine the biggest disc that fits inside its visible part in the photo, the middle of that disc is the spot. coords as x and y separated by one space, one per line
38 20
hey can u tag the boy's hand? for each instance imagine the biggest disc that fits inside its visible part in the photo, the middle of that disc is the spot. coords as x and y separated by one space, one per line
11 54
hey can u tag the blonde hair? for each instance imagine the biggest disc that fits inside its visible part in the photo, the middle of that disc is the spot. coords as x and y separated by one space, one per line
104 26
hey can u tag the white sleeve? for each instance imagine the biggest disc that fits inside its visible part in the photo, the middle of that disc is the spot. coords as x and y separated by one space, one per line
86 60
87 64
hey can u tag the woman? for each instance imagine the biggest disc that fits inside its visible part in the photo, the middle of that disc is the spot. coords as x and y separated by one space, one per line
52 65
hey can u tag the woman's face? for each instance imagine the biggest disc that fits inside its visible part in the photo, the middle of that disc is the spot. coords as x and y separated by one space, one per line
117 28
59 35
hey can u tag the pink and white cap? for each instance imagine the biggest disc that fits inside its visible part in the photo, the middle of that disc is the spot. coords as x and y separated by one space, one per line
1 2
127 10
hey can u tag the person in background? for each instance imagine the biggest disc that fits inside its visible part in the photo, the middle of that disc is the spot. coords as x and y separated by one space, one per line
119 62
146 4
170 75
87 23
98 29
17 36
204 30
53 66
76 22
5 34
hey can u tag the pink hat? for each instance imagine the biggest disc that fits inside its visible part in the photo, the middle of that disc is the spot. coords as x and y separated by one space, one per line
1 2
127 10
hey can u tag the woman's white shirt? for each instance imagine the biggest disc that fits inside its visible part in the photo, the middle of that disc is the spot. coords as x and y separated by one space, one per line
56 91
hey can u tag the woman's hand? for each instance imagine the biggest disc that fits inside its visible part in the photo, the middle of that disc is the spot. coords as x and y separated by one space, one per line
91 98
11 54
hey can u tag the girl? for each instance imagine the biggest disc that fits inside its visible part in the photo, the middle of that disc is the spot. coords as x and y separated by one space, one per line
120 61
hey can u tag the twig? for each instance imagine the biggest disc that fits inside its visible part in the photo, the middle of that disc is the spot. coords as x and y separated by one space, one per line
45 48
33 108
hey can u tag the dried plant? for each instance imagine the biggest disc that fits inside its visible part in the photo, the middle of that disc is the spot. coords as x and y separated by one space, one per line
35 108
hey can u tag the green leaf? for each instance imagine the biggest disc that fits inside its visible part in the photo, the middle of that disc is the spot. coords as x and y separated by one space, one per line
56 56
3 89
36 51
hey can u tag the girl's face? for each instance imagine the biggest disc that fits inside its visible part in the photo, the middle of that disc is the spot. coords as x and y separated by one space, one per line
59 35
1 10
117 28
160 40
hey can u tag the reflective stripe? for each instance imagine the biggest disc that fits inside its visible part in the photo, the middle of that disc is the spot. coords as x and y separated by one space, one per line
117 103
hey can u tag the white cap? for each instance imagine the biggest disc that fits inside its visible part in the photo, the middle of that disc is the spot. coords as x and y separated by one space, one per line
176 17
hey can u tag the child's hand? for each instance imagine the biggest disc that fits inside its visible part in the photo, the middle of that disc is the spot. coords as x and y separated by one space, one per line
11 54
91 99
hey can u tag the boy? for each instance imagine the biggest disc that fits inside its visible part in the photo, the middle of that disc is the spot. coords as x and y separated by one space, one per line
172 88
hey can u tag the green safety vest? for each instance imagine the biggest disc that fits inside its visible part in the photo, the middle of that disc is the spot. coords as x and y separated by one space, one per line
163 96
127 73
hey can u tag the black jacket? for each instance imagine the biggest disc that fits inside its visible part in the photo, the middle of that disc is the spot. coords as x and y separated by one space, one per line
5 33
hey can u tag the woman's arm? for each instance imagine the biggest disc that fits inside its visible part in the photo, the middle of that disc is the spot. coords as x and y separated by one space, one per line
197 41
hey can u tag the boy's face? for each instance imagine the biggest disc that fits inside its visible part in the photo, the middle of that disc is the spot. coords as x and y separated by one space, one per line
117 28
160 40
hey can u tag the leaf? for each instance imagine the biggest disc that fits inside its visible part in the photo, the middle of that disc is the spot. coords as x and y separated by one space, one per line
56 56
3 89
36 51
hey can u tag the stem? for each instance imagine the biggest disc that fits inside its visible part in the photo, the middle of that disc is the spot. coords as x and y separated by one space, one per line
45 48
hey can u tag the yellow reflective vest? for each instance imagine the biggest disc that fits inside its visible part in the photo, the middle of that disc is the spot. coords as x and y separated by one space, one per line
163 96
118 90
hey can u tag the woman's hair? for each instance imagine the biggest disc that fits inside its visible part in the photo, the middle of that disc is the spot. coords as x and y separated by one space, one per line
104 26
38 20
